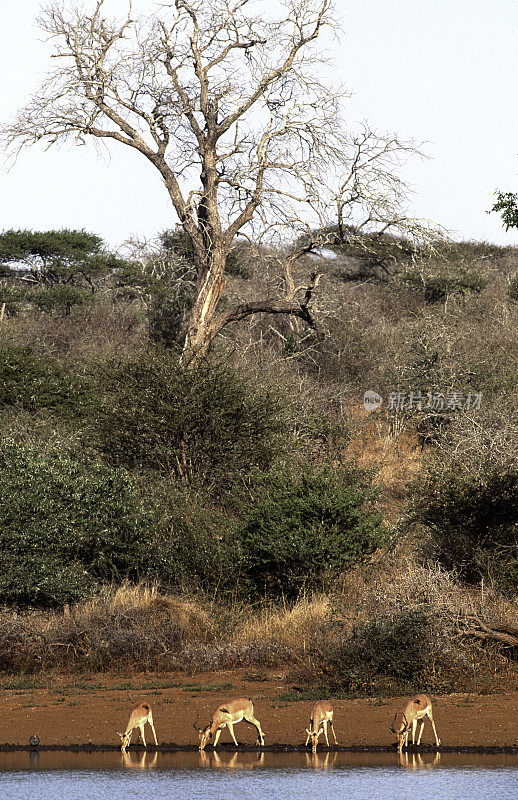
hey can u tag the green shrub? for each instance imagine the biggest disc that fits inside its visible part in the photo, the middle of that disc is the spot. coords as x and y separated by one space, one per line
304 528
59 298
473 522
438 286
30 382
194 548
203 422
392 653
66 527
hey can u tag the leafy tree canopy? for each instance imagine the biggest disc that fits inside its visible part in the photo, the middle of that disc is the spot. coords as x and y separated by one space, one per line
507 205
52 257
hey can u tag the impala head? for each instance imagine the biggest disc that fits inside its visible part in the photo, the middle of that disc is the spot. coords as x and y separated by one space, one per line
399 725
314 737
125 739
204 734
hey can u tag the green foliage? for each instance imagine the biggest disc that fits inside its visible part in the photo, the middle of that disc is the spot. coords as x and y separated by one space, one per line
60 298
238 261
306 527
507 205
394 653
177 243
165 280
373 249
66 527
195 548
30 382
44 246
438 286
52 270
473 521
56 256
200 422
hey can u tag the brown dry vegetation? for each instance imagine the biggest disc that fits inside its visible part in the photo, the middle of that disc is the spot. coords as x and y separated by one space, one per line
354 635
136 628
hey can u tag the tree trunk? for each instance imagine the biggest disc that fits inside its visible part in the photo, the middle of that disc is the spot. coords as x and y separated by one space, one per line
210 287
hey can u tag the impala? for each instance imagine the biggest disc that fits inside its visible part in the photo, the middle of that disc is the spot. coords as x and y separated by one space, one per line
322 714
416 709
226 716
138 718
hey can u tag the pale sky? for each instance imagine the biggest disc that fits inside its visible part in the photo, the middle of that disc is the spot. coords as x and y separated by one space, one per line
442 72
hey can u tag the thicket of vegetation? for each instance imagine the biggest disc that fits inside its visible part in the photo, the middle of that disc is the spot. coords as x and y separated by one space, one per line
255 477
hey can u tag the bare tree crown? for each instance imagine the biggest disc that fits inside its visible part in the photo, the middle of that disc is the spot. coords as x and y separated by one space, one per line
230 109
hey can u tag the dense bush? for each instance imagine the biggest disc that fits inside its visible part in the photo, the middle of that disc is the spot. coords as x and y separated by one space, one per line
473 522
392 653
436 287
199 422
305 527
195 548
66 527
30 382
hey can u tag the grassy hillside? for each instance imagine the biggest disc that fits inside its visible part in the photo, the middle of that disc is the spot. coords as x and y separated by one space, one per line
251 511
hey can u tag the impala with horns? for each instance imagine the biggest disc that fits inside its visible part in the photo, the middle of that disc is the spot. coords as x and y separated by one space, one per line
415 710
226 716
138 718
321 715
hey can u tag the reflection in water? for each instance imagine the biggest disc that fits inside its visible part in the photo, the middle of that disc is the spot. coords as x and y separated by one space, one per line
141 761
235 776
320 760
135 761
415 761
231 760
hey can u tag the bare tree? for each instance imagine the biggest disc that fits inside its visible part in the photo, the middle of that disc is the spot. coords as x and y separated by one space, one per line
230 110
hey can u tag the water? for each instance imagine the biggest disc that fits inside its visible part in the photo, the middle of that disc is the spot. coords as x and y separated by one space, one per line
244 776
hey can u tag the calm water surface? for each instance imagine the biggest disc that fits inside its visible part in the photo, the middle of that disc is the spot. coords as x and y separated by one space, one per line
239 776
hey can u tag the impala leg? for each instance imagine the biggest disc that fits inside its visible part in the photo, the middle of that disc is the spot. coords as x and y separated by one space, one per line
333 730
324 726
421 726
141 727
260 736
218 734
414 727
231 731
308 737
437 740
150 720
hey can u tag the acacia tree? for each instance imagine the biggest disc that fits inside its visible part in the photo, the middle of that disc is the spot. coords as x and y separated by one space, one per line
230 110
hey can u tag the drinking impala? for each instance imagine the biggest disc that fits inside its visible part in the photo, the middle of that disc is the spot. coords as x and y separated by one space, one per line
321 715
226 716
138 718
415 710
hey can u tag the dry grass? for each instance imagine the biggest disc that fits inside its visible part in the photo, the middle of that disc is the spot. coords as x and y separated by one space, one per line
292 626
131 627
319 638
